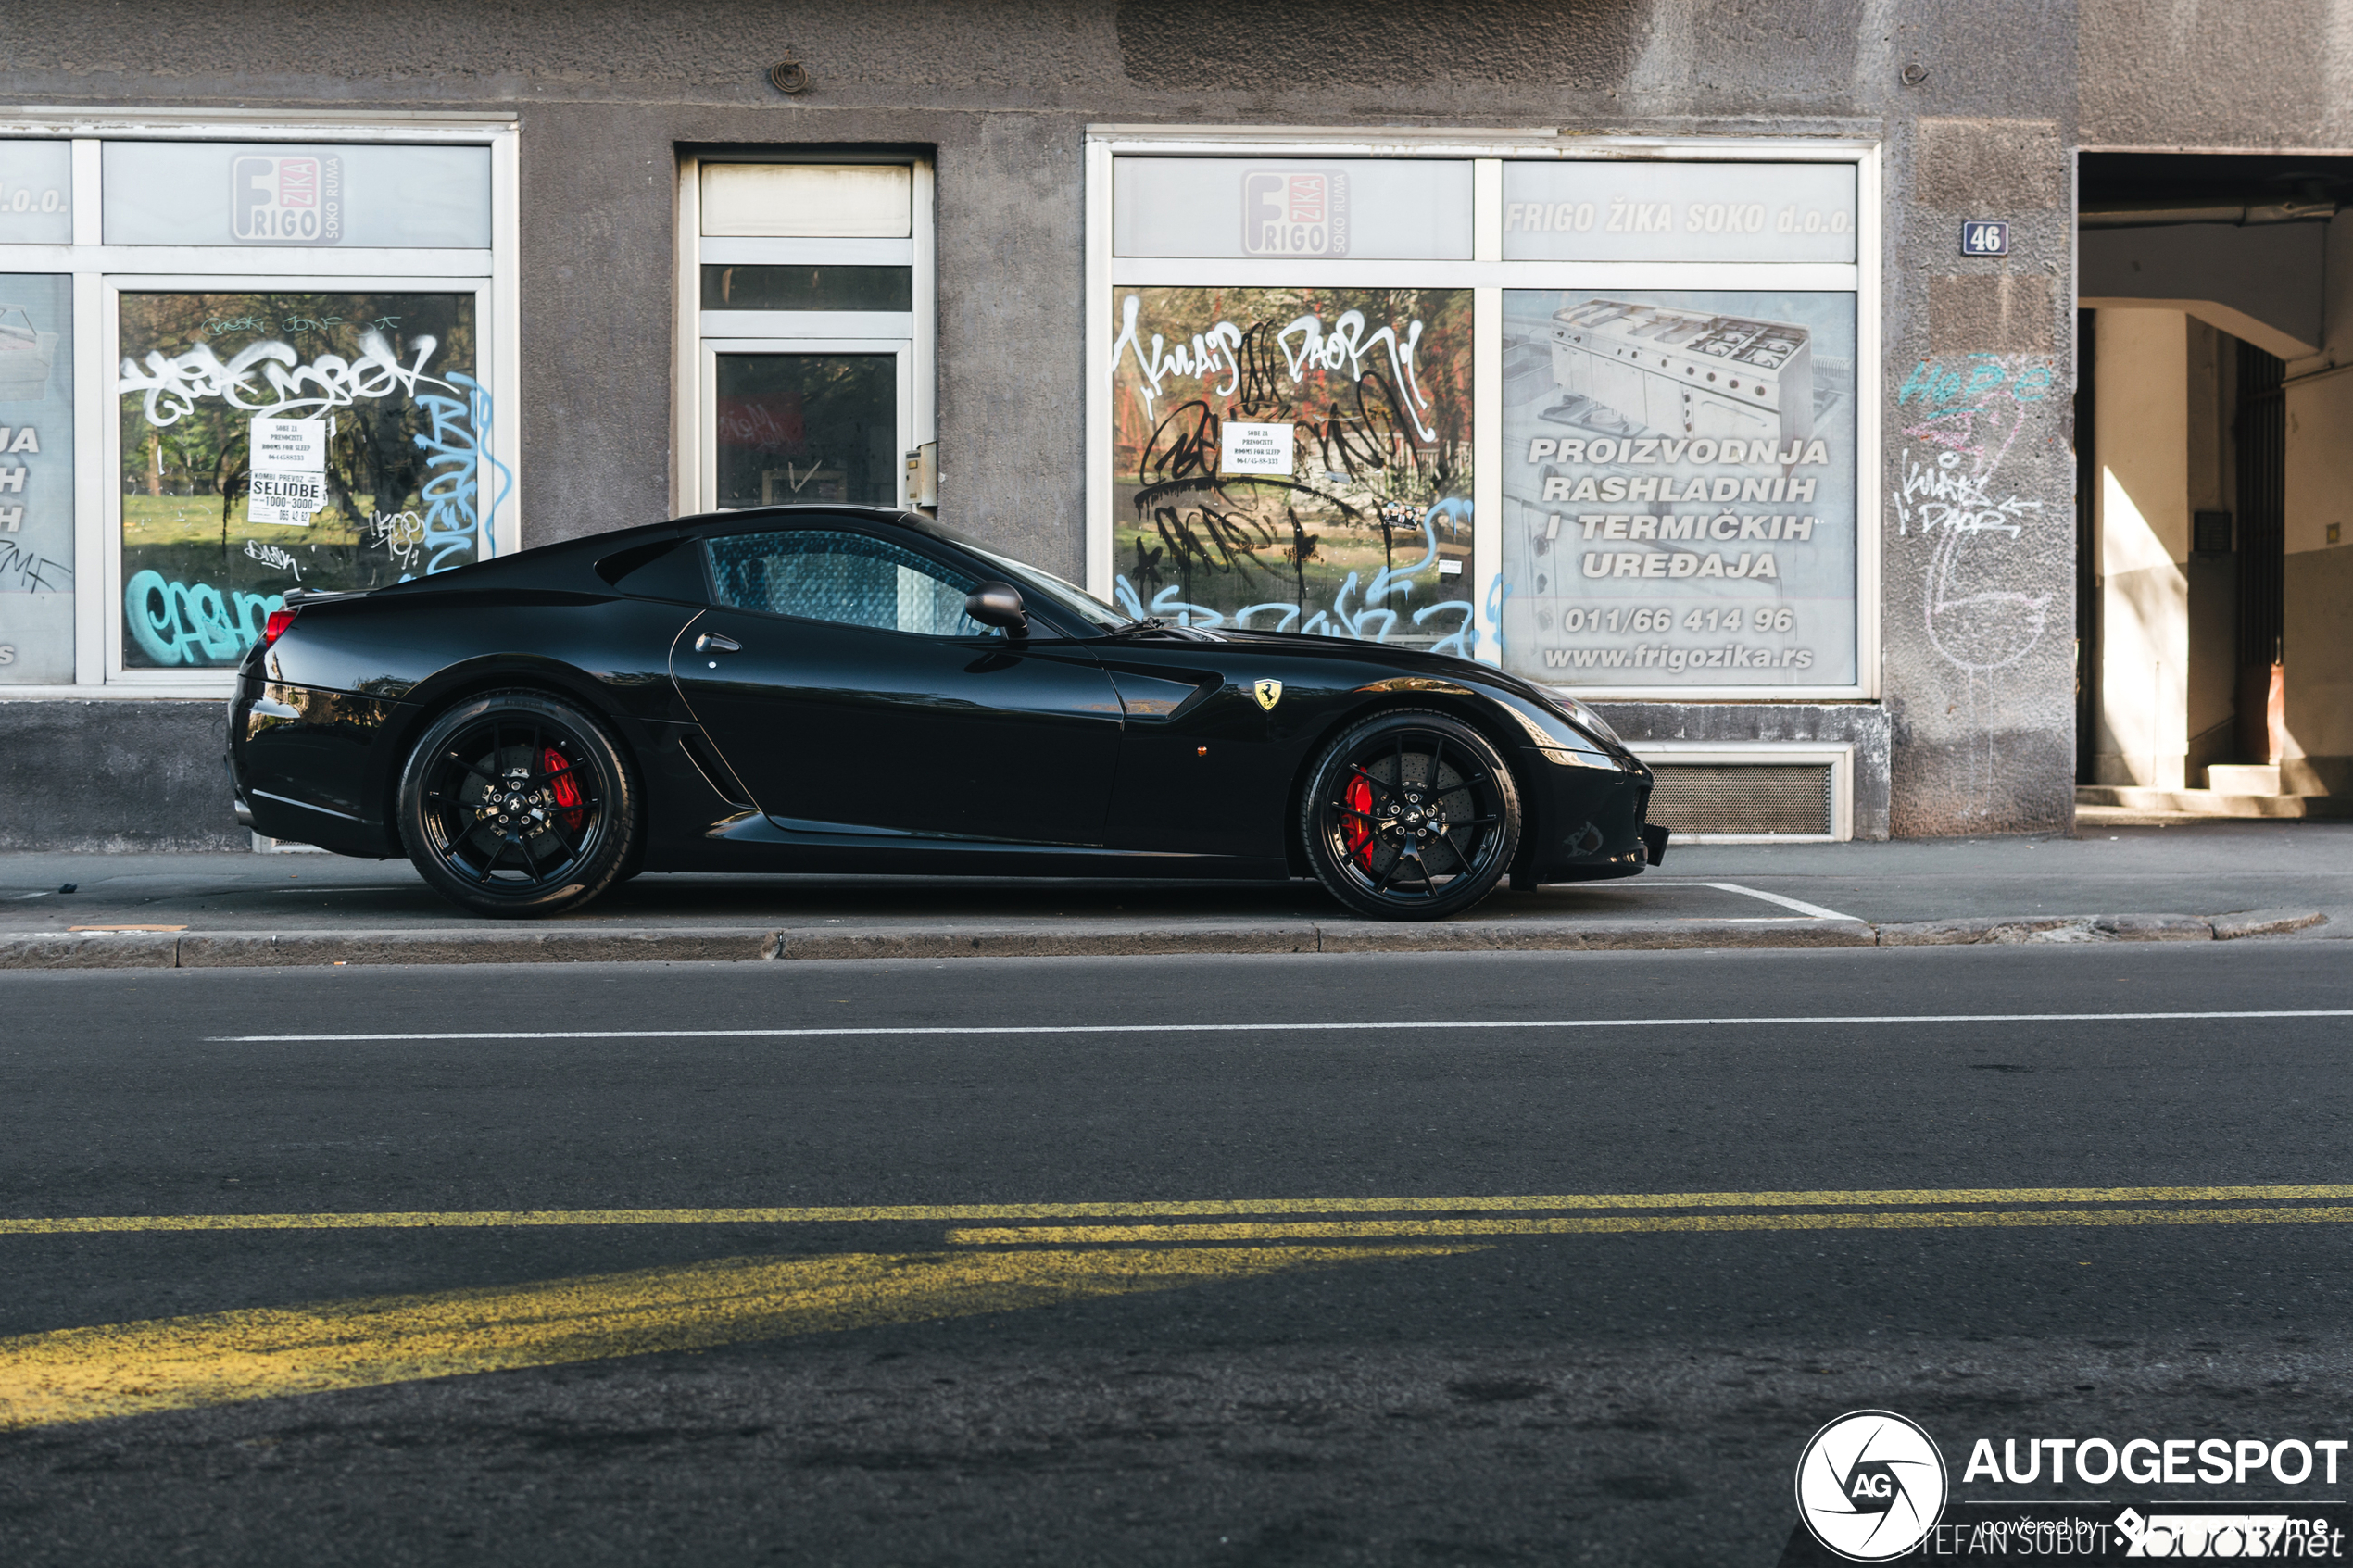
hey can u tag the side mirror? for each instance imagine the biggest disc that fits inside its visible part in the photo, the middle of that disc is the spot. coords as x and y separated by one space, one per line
998 604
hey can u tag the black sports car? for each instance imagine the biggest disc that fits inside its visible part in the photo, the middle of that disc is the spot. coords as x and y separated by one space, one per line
831 689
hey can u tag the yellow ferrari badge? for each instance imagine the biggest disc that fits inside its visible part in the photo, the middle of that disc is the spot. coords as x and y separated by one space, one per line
1269 694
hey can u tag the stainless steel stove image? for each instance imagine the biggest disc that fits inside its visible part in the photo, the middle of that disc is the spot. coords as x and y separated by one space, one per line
1648 370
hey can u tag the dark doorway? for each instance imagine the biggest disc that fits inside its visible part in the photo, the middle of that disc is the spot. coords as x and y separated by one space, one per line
2260 434
2087 590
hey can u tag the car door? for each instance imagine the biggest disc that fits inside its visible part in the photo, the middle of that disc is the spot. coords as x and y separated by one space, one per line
840 676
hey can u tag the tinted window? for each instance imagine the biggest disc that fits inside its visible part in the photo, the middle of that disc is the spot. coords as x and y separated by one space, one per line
848 578
808 288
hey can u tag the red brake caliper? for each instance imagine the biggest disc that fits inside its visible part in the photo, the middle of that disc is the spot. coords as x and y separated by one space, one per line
563 787
1357 832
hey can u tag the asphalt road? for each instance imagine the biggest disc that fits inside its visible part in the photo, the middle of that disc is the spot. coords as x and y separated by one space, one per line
1145 1291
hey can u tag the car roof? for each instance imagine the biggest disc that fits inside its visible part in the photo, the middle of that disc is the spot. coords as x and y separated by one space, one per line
799 514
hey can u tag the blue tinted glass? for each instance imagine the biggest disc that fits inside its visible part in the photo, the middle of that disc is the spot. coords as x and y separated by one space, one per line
847 578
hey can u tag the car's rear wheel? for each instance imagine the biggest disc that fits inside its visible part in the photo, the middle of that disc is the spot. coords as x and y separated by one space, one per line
1410 815
518 804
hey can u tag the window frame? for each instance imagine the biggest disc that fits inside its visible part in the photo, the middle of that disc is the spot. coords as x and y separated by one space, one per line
100 273
693 480
1488 275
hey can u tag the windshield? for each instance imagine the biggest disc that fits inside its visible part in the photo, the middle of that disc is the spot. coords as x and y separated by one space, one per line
1045 584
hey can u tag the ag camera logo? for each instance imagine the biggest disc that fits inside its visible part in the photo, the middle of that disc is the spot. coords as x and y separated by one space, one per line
1870 1486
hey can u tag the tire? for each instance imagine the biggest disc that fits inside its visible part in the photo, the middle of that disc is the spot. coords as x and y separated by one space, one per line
1386 842
516 804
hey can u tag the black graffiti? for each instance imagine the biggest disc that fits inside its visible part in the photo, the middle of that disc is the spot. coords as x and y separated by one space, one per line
30 573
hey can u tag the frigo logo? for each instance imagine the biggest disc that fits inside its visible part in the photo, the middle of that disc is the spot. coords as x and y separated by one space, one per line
1295 212
1870 1486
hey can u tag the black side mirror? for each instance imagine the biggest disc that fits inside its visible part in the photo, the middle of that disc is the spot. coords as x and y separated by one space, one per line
998 604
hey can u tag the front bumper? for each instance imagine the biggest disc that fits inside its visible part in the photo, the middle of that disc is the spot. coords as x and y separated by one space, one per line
1584 822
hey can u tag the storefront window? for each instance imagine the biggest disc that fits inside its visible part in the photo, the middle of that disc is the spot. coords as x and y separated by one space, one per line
36 478
1295 460
276 440
1678 488
1655 358
303 328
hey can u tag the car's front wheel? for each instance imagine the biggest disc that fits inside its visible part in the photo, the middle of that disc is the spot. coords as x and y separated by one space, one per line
1410 815
516 803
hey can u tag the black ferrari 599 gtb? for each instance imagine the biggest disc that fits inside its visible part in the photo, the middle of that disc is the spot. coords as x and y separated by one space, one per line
841 690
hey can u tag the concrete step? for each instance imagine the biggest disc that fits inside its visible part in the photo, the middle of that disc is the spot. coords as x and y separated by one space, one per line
2212 802
2243 778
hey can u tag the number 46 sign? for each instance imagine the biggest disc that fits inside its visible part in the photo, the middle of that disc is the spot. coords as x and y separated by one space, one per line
1981 237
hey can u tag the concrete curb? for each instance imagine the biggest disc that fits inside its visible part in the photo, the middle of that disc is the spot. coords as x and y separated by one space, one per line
253 949
241 949
2265 923
1588 937
2002 929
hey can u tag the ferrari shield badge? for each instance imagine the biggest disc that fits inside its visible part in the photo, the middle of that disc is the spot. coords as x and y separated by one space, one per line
1269 694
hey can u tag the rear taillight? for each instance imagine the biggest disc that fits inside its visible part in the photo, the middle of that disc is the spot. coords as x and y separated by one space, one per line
276 625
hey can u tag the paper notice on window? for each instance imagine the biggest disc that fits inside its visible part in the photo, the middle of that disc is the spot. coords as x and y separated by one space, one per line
289 470
1255 449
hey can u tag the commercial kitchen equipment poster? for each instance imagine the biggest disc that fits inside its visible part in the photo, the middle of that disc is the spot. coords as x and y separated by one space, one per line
1678 488
1295 460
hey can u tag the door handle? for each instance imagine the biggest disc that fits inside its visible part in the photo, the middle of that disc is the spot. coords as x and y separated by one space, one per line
711 642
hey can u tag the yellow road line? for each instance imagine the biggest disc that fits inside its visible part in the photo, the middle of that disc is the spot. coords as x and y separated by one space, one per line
1175 1209
176 1363
1880 1220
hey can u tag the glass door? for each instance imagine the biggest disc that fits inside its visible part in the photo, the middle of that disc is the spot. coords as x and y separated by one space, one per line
802 419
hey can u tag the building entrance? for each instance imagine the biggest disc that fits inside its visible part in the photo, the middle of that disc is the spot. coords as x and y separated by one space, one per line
2211 422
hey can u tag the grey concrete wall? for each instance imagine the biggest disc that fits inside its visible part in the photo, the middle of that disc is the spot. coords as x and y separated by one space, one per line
111 776
2177 75
1977 622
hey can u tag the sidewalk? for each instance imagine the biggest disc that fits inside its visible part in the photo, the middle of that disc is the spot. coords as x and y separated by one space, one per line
309 907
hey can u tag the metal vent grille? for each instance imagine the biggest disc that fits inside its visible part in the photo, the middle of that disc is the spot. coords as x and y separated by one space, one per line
1742 797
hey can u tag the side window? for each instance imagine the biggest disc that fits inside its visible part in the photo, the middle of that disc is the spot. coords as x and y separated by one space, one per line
847 578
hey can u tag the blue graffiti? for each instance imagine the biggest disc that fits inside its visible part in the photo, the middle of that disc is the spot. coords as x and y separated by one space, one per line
1290 614
1497 592
1978 378
184 623
1463 638
1167 604
1375 619
455 459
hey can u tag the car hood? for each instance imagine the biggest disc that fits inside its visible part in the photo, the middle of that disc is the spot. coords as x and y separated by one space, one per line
1385 661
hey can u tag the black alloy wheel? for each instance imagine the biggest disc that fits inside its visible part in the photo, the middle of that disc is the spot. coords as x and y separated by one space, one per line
518 804
1410 815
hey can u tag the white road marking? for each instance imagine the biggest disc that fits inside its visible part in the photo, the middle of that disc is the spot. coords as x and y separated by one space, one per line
887 1030
1813 911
